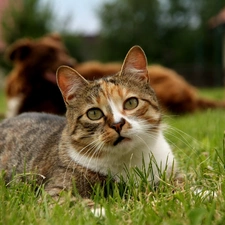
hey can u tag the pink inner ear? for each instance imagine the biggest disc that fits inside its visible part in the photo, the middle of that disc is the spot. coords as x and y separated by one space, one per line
69 81
66 88
136 62
65 84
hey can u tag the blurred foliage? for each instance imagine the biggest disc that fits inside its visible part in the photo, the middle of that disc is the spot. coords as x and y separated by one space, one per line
73 44
25 18
174 33
170 31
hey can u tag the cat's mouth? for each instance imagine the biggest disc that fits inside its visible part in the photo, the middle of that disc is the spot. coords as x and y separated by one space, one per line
119 139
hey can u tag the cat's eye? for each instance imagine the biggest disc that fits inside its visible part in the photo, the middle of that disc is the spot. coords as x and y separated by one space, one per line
95 114
130 103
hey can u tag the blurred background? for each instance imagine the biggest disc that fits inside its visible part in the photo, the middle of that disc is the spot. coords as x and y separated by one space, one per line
185 35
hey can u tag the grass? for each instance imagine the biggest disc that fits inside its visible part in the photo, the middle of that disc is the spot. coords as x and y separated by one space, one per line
198 143
2 102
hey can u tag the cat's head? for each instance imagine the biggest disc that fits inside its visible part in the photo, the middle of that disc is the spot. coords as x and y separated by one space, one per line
115 112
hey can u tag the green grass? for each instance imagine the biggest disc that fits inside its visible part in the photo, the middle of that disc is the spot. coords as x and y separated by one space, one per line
2 102
198 143
215 93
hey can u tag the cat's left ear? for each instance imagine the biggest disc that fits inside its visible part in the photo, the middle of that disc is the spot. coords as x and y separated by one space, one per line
69 81
136 63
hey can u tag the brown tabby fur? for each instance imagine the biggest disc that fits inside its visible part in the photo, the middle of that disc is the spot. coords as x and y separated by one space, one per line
63 151
33 81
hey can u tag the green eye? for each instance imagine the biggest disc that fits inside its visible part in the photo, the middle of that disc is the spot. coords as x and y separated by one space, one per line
95 114
131 103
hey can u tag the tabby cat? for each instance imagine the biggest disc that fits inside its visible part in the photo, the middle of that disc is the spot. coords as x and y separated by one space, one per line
112 125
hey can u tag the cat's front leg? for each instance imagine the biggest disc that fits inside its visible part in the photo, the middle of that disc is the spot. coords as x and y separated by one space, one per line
58 197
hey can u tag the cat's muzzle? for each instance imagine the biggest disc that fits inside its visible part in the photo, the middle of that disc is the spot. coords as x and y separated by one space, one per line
118 140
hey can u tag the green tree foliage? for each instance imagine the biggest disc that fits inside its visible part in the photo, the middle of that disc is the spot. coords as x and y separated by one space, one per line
73 44
129 22
29 18
26 19
170 31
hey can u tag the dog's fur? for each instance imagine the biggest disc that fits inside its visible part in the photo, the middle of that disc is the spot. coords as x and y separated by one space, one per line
31 86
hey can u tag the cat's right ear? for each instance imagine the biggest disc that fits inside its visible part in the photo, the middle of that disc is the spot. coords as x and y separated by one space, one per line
69 80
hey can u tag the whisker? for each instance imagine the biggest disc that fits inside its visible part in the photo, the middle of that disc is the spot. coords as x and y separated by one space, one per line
97 151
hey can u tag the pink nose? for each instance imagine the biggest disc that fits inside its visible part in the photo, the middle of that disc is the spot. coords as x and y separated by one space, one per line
118 126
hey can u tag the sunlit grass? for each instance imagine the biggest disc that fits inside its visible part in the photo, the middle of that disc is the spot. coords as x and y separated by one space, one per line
2 102
213 93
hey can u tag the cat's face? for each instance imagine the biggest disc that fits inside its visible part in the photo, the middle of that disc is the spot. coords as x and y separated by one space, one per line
115 113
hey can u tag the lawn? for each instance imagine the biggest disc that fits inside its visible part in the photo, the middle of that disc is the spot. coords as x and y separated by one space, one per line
198 143
2 102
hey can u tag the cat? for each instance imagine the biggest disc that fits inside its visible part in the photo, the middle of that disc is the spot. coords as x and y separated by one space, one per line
112 125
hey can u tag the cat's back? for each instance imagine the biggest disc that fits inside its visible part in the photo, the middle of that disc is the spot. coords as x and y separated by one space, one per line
31 123
29 142
30 131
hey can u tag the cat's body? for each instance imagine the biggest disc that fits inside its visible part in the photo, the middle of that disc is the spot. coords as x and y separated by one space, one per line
40 157
58 166
112 125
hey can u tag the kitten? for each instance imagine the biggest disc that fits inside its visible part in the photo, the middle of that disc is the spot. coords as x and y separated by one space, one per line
112 125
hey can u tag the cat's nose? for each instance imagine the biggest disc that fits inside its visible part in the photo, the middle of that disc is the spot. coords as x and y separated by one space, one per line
118 126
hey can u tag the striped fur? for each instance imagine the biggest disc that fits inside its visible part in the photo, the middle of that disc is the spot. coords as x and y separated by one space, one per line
111 125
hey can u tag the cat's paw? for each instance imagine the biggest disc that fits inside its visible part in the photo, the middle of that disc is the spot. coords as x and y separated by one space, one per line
98 211
204 194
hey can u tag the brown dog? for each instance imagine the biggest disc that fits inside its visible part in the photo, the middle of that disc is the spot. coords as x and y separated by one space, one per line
31 86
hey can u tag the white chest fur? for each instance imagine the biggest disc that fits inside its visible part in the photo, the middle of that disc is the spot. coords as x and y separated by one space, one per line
142 153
